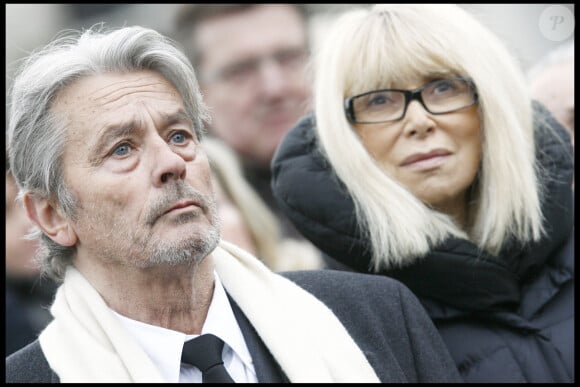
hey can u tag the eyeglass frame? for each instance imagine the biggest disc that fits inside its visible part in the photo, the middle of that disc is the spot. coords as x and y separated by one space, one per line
410 95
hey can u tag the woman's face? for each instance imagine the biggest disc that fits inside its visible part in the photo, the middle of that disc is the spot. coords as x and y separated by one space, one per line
436 157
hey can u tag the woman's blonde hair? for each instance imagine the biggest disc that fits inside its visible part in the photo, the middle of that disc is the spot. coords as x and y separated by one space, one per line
278 253
373 48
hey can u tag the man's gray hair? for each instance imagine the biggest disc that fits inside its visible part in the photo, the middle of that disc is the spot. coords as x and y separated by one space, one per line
37 136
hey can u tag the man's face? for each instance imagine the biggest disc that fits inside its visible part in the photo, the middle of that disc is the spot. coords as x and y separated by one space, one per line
252 73
555 89
137 171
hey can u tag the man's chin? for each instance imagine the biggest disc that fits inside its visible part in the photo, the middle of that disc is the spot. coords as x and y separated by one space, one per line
183 247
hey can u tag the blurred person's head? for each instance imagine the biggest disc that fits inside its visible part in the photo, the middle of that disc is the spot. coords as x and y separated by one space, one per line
20 250
246 220
250 60
552 83
104 135
234 227
456 157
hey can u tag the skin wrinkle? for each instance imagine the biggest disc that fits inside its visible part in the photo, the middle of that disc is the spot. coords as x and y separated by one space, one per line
111 133
175 193
103 94
107 100
172 195
123 130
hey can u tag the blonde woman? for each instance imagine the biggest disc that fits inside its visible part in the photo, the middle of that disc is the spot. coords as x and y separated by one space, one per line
246 220
426 160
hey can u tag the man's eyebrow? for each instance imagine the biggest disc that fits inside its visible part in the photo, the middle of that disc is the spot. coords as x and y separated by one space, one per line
109 134
114 131
179 116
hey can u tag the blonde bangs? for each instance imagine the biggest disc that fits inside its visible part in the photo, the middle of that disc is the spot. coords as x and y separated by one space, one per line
398 59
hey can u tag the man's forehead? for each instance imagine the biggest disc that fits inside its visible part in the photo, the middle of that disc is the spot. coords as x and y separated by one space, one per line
98 101
106 93
261 28
102 85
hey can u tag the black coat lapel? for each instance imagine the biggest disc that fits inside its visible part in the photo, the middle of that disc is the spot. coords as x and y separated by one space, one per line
267 369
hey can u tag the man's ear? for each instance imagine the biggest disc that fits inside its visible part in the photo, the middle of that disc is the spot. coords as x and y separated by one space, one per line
49 219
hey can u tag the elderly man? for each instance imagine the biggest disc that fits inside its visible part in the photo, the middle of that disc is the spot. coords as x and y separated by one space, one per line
104 139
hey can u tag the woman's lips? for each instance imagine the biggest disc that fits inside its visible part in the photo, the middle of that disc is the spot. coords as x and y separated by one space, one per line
426 160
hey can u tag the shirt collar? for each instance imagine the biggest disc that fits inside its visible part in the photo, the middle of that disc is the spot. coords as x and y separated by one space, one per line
222 322
164 346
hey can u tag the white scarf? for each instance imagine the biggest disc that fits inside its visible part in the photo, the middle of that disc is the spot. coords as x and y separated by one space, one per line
86 343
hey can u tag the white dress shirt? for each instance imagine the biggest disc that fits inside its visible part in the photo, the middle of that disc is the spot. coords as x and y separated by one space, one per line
164 346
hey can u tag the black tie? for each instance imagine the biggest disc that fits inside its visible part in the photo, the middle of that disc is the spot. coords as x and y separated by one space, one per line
205 352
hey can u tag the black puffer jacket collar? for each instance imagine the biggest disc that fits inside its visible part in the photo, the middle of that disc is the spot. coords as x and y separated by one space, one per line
456 273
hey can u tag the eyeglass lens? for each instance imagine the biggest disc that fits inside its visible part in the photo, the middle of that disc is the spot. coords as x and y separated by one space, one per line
438 97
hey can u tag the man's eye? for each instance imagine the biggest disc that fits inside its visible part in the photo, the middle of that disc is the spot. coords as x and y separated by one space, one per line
241 70
122 150
178 138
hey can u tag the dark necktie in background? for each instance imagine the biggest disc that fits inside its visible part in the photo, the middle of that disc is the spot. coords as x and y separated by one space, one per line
205 352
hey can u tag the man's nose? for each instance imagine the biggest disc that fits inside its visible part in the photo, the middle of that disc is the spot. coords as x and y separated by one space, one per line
167 164
272 76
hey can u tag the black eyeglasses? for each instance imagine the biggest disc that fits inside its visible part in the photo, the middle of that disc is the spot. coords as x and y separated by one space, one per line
437 97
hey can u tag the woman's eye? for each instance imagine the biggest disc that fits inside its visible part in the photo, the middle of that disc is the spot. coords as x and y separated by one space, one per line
378 100
443 87
122 150
384 99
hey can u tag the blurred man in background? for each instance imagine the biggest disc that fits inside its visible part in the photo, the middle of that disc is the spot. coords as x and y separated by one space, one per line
27 295
552 83
250 60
